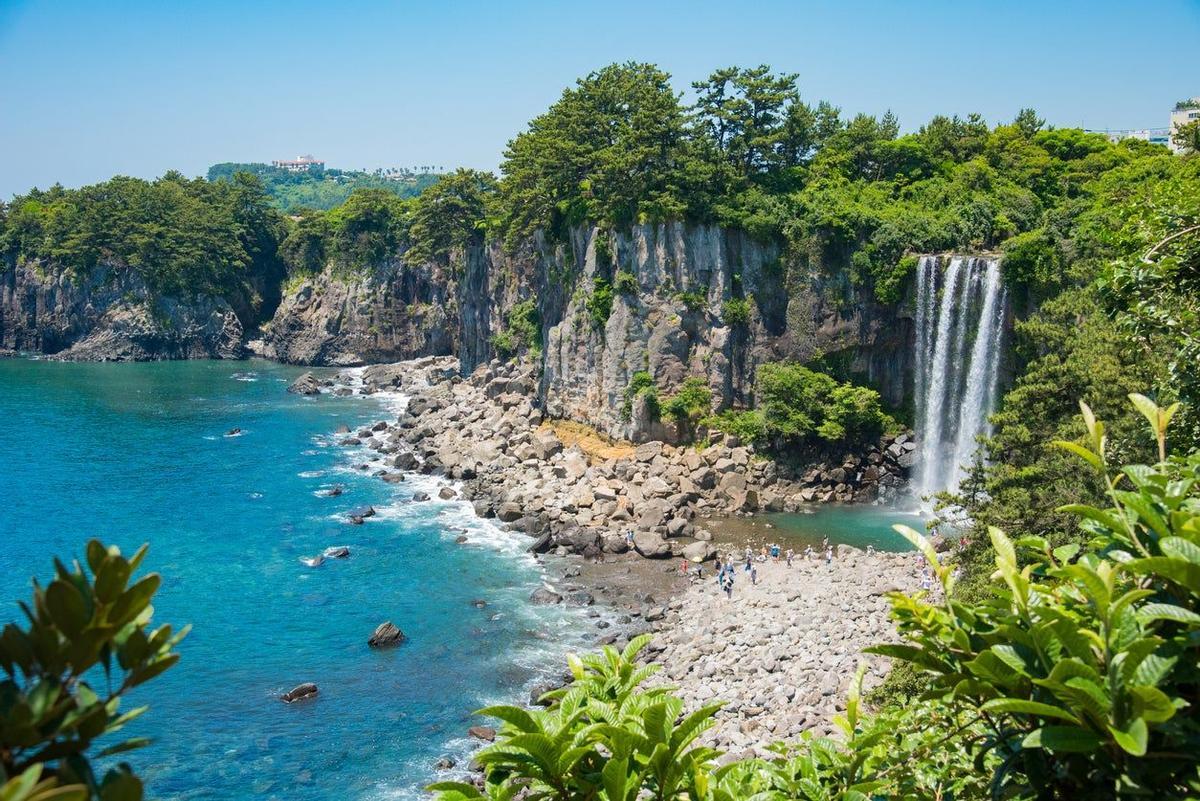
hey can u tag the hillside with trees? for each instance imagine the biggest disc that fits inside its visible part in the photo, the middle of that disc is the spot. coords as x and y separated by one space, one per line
322 189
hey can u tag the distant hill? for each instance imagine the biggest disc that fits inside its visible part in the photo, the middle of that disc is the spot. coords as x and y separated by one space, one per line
322 189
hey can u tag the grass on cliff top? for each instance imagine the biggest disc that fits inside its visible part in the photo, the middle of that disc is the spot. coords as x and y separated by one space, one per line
595 445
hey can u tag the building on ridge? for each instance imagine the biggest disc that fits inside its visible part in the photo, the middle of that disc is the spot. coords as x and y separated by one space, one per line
299 164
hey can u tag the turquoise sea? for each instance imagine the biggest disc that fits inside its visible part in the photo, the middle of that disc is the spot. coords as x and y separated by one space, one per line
134 453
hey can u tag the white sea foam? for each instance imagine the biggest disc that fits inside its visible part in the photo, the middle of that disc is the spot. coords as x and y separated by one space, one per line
311 473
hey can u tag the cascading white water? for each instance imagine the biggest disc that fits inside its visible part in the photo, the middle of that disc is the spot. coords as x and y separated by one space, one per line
955 392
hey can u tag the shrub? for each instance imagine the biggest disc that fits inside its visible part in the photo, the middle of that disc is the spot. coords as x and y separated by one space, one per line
692 402
799 404
694 299
625 283
746 425
87 644
599 303
735 312
641 384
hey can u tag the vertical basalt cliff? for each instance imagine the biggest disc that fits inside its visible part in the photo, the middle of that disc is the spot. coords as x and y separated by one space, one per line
109 316
670 321
674 290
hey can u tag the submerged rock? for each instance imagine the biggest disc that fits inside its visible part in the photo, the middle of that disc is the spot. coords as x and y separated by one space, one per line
386 636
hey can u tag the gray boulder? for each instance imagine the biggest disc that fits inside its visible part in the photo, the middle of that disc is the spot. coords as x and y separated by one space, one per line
386 636
300 692
306 384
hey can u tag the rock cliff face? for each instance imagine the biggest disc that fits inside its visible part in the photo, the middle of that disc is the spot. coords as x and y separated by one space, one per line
394 313
670 284
675 324
108 317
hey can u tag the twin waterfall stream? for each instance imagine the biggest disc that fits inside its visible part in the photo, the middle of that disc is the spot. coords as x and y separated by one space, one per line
958 353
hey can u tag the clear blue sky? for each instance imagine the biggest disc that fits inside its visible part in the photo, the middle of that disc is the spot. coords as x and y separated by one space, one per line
92 89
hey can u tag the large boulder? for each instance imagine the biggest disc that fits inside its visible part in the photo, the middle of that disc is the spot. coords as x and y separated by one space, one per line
300 692
651 545
306 384
699 551
386 635
544 596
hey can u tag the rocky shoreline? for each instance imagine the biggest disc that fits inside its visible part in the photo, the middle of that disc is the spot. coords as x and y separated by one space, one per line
779 653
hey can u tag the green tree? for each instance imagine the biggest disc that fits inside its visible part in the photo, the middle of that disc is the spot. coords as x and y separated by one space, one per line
1187 137
608 151
754 119
450 213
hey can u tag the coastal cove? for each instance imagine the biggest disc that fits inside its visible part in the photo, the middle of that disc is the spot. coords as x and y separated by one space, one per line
137 453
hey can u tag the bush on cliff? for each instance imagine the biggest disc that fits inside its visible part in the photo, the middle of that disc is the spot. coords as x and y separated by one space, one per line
1073 678
87 645
799 404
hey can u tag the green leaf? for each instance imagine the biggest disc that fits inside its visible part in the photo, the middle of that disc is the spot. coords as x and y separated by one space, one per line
1132 739
1152 704
514 716
1082 452
1152 612
918 541
1064 739
67 607
1180 548
134 600
1173 569
1022 707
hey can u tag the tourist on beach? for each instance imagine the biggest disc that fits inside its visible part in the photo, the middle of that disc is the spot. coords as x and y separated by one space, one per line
808 552
790 553
629 537
828 556
825 543
749 559
683 567
754 576
870 550
775 552
727 585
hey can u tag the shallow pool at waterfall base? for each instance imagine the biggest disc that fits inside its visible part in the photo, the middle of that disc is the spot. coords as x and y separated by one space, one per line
858 525
134 453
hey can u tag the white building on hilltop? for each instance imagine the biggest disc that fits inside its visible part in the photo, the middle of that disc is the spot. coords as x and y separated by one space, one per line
1185 111
299 164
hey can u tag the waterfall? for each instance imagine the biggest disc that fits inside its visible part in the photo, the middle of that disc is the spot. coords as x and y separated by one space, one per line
957 365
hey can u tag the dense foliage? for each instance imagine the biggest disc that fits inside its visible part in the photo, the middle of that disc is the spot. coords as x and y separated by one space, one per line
321 190
1073 677
86 645
795 405
1122 316
176 236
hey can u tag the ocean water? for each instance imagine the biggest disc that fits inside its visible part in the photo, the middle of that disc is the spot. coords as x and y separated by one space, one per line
134 453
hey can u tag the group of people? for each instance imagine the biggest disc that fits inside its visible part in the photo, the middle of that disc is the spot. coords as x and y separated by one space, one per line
727 564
